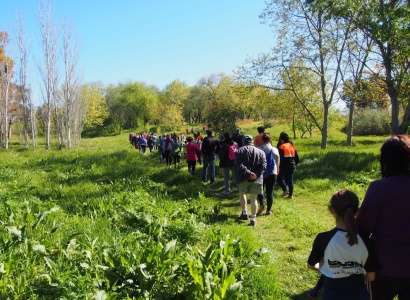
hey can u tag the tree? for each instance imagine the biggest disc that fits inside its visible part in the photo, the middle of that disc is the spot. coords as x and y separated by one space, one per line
49 70
308 40
222 105
24 91
96 107
6 75
132 103
355 61
173 97
70 58
385 22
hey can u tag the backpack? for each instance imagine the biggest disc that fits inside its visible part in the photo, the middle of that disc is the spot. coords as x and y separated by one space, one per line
232 152
270 164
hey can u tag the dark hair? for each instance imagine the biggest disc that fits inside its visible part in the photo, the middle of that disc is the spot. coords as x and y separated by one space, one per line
345 204
285 137
227 135
266 138
395 156
189 139
209 132
261 129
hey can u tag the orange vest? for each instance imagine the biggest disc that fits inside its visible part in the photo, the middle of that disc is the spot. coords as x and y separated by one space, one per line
288 150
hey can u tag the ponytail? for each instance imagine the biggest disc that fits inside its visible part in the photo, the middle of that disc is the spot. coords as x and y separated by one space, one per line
345 204
351 226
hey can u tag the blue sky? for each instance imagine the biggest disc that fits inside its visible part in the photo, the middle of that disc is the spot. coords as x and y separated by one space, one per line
155 42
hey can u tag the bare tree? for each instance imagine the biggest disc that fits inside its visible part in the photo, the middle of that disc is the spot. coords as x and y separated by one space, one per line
6 74
48 70
70 57
355 61
33 124
23 88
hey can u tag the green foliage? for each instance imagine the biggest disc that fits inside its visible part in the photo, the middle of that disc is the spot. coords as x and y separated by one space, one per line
221 118
372 122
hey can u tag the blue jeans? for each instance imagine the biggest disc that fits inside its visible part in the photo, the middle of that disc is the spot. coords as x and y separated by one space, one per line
209 160
227 182
286 176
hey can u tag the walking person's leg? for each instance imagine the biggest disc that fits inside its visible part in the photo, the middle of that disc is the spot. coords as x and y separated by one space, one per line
281 183
269 186
289 181
212 168
205 161
227 183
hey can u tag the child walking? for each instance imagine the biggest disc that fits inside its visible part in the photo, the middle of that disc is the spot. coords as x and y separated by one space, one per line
343 257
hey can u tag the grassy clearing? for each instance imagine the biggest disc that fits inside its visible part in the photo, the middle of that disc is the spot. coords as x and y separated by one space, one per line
80 223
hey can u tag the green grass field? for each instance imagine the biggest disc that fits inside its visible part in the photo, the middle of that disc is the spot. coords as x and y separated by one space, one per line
104 221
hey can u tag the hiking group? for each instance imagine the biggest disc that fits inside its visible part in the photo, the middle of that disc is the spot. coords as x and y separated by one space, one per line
365 256
253 168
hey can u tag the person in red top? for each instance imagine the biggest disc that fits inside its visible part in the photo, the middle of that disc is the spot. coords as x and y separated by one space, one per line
191 154
288 161
257 142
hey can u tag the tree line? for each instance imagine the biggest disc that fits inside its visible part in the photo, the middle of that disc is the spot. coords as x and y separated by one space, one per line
325 52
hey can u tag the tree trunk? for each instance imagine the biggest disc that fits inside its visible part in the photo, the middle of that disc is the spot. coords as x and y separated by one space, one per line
350 124
325 125
405 124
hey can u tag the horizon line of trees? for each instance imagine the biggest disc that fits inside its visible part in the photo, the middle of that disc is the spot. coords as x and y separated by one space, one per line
325 52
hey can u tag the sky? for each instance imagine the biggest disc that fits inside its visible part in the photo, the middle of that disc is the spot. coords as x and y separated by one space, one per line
155 42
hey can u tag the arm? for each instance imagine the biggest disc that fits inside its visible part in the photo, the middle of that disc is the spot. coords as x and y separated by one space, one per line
315 267
370 276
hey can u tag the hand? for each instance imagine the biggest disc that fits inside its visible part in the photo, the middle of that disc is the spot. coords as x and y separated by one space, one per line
252 176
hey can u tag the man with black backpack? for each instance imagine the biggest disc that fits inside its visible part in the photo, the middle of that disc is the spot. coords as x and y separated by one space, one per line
227 153
209 148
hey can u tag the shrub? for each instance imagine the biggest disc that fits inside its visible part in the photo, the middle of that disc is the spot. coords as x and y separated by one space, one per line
372 122
268 123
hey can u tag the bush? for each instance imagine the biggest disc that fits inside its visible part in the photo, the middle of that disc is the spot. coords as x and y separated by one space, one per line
268 123
372 122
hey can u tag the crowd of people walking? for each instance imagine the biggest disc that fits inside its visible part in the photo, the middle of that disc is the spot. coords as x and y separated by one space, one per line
277 166
367 254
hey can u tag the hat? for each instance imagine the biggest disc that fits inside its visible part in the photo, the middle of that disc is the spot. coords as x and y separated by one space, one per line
247 139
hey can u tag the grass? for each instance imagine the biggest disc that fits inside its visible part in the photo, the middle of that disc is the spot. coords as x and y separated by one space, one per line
114 202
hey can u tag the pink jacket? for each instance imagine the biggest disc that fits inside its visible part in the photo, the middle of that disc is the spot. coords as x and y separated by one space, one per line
191 150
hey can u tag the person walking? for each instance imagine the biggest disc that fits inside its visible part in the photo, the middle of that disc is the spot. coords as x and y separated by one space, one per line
343 256
176 152
270 174
227 153
250 163
192 150
384 216
167 150
238 137
289 159
143 144
209 148
258 139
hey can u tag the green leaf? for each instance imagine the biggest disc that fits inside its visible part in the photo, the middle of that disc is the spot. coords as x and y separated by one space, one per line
50 263
101 295
14 231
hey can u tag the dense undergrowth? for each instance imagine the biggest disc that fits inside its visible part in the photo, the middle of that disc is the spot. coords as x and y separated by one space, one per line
106 222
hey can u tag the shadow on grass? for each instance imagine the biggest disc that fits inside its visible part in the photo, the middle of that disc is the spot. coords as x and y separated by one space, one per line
336 165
